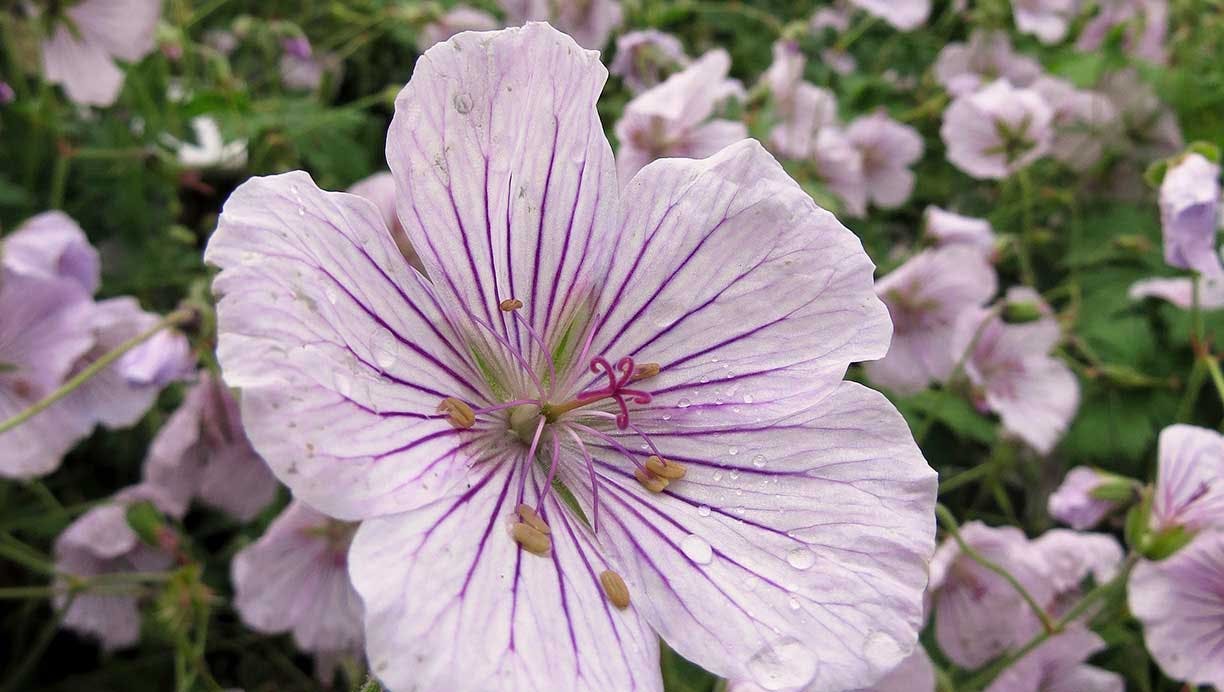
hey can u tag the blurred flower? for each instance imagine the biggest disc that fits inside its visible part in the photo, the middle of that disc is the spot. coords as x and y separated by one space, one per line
101 542
839 165
380 189
994 132
301 68
458 19
962 68
7 95
1180 601
1072 556
835 17
295 579
902 14
950 229
925 296
81 57
1151 126
210 149
840 61
1180 291
645 57
1073 503
674 118
588 22
52 244
202 451
1034 394
1189 479
164 358
447 413
1085 122
1190 214
1059 664
809 111
1048 20
222 41
1147 24
888 149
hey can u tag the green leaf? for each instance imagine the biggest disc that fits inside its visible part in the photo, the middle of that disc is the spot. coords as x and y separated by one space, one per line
953 411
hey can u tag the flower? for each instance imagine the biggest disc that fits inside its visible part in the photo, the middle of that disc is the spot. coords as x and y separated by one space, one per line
1072 556
1048 20
962 68
210 150
301 69
81 56
166 357
1034 394
839 165
588 22
1057 665
996 131
1189 479
644 57
505 472
925 296
835 17
1073 503
902 14
1151 126
810 111
101 542
1180 601
52 244
888 149
915 674
1180 291
301 558
202 451
458 19
7 95
380 189
948 228
674 118
1085 122
1190 214
1147 23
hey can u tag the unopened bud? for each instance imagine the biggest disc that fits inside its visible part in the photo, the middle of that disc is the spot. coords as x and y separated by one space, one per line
147 522
458 413
1020 313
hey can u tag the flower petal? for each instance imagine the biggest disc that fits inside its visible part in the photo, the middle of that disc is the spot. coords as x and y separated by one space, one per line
83 68
53 244
339 348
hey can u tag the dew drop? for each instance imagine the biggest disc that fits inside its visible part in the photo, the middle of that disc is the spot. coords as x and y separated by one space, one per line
697 549
733 451
703 510
801 558
684 403
747 398
759 461
881 651
666 416
783 664
717 476
384 350
794 604
330 294
344 385
301 210
734 474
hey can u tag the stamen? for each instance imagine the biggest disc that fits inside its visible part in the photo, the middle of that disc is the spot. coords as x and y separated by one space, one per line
615 445
552 368
651 482
552 471
590 464
615 588
459 414
513 351
645 371
510 304
531 539
535 442
671 470
532 519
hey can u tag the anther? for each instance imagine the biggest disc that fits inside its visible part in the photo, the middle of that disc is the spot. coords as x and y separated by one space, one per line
530 518
615 589
645 371
671 470
510 304
653 483
531 539
460 415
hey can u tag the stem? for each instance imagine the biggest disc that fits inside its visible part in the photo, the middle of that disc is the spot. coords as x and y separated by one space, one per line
949 523
855 33
964 478
1026 236
10 593
174 319
59 178
1213 367
1198 376
743 10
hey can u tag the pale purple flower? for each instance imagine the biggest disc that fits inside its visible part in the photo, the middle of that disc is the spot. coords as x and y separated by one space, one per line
1180 601
888 148
839 61
810 110
1048 20
1072 556
297 47
101 542
458 19
785 73
303 69
1147 24
1059 665
963 68
81 58
732 299
1033 393
1085 122
839 164
1189 479
203 452
223 41
165 358
835 17
968 598
295 579
1150 125
52 244
675 118
7 95
1073 504
588 22
915 674
1180 291
948 228
925 297
994 132
902 14
645 57
44 329
1190 214
380 189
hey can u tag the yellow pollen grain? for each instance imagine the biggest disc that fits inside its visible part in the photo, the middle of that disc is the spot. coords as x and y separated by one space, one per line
530 518
531 540
651 482
510 304
645 371
458 413
671 470
615 589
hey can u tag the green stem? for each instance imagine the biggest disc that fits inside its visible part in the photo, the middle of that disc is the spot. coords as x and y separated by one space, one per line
9 593
15 551
964 478
176 318
1198 376
1213 367
855 33
59 178
743 10
950 525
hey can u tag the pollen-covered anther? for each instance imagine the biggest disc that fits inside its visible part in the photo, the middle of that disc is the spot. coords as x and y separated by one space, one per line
645 371
530 518
653 483
671 470
510 304
615 588
459 414
531 539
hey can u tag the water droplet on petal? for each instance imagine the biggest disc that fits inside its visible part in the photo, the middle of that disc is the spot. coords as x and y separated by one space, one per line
734 474
697 549
330 294
717 476
759 461
733 451
783 664
801 558
384 350
882 651
703 510
684 403
344 385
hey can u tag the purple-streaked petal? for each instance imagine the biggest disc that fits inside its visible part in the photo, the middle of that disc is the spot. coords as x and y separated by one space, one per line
339 348
915 674
1189 479
972 130
888 149
792 554
1190 215
446 580
53 244
964 67
1057 665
